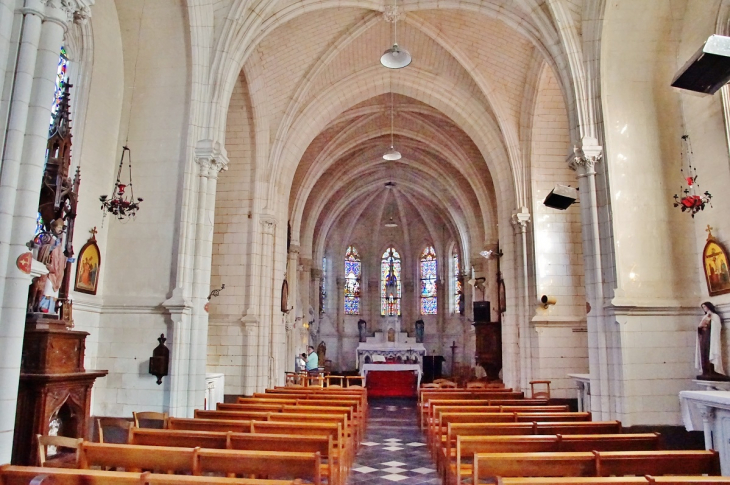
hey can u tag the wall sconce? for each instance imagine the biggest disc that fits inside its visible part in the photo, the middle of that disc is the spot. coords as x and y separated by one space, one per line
548 300
160 360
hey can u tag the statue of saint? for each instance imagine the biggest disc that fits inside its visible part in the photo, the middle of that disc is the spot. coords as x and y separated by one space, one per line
708 355
419 331
362 328
321 352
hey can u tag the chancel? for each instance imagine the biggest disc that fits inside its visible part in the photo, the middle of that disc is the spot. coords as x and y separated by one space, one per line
156 151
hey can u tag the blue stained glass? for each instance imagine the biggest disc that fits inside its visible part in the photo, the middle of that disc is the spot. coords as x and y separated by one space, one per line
390 283
457 284
61 80
353 271
428 281
428 306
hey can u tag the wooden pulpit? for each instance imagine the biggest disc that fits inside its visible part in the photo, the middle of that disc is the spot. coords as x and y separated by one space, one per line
54 394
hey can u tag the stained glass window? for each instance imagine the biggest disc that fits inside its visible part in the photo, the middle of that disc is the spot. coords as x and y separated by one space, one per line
61 80
456 279
390 282
353 269
323 286
428 281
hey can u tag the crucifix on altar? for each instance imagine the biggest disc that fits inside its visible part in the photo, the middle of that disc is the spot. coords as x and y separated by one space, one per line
453 356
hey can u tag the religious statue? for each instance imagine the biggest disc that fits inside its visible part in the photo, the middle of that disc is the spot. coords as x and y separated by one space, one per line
419 331
708 354
321 352
362 328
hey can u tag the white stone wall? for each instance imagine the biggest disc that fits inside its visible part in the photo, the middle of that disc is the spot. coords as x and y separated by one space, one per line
139 272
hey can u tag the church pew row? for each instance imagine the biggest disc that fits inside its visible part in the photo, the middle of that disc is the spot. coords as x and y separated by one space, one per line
349 435
686 480
439 428
456 463
448 440
316 406
323 444
335 394
350 402
359 401
423 408
593 464
269 427
21 475
333 414
198 461
434 409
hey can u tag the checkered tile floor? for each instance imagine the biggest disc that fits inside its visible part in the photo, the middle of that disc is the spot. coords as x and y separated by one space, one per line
393 450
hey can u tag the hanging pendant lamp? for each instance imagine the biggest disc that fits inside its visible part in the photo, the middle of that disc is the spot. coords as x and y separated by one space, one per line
396 57
392 153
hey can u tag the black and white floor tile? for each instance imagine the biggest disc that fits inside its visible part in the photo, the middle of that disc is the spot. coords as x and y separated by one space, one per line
393 450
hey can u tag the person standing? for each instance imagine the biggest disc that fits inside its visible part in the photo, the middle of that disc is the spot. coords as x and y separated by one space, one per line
708 354
312 360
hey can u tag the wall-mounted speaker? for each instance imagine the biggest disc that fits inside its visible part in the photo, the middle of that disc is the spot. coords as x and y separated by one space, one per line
482 312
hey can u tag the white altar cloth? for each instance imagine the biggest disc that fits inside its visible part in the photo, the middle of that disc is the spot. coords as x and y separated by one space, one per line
709 411
390 368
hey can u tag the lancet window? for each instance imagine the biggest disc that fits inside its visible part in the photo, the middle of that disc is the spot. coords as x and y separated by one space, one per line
323 287
353 272
428 282
390 283
61 80
458 291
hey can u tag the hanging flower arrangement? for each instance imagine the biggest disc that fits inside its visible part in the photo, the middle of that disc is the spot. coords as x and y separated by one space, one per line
692 199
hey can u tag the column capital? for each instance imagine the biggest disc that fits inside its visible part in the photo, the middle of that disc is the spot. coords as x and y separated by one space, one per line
294 251
316 273
585 157
521 218
211 157
77 11
269 224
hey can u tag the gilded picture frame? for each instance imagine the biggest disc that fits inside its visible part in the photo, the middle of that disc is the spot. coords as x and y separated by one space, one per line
716 267
88 266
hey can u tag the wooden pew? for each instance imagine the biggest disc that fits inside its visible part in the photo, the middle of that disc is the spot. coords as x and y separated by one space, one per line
581 464
21 475
160 459
244 441
438 428
455 467
423 410
448 439
261 463
433 410
192 424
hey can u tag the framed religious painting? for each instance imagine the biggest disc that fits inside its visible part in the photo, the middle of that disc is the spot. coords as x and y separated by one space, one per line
88 265
715 266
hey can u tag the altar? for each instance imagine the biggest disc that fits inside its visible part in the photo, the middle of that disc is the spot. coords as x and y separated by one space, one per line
415 368
392 346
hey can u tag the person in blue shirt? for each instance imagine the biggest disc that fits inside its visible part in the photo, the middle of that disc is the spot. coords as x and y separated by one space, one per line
312 360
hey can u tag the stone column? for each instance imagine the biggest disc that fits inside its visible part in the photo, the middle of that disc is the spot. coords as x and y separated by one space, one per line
374 304
11 337
583 161
265 329
211 160
340 322
314 291
296 313
22 174
520 220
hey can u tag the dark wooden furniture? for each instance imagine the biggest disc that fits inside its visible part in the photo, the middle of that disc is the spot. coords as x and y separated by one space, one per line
489 347
432 368
54 393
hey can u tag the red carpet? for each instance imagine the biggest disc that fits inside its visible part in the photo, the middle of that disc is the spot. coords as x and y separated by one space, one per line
391 383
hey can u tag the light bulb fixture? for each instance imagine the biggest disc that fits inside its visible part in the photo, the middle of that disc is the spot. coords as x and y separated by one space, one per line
392 154
396 57
391 223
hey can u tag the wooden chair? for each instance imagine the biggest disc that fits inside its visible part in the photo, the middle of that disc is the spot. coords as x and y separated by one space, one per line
150 419
540 394
114 430
353 381
339 381
49 454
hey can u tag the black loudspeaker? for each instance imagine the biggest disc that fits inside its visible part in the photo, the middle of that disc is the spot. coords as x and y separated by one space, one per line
482 312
